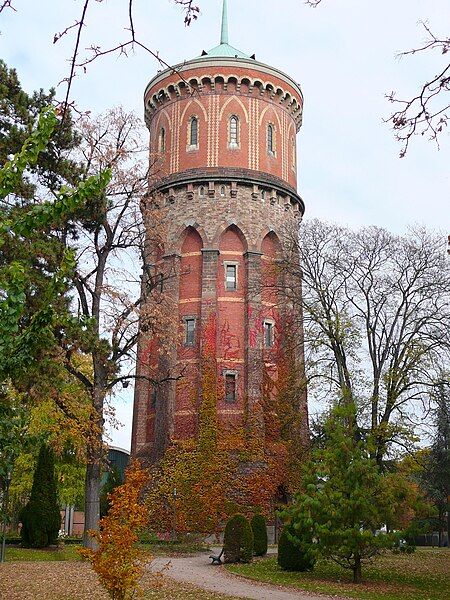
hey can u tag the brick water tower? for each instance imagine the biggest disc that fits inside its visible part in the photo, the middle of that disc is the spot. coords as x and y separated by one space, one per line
223 130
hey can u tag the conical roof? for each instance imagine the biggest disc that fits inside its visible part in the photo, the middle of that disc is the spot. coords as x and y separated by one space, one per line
224 48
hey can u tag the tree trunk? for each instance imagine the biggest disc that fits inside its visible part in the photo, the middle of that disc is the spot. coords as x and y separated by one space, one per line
92 502
94 464
357 570
448 522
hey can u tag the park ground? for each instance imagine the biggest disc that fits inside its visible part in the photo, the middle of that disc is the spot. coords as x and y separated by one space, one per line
59 575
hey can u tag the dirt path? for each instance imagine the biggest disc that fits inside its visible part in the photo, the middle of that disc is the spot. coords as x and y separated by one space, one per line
198 571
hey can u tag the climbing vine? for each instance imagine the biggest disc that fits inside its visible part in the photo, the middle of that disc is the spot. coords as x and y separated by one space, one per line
223 470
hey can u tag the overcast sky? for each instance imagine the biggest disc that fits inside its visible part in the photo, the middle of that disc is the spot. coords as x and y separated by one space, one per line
342 53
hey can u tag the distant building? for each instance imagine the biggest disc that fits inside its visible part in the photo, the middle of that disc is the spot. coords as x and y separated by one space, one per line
72 519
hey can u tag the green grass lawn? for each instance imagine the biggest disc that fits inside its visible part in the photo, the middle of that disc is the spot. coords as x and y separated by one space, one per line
15 553
69 551
424 575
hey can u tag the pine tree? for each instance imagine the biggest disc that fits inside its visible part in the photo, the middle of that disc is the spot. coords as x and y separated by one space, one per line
41 517
344 500
436 475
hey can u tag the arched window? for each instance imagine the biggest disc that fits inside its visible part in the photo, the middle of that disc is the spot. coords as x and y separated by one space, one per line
263 194
162 140
222 190
201 192
270 144
234 132
193 134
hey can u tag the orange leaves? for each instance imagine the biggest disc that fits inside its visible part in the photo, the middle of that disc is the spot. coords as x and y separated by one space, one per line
117 561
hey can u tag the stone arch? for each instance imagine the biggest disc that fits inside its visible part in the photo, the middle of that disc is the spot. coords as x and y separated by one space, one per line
270 108
162 113
179 235
191 240
206 82
188 105
234 99
245 84
232 83
270 244
190 265
258 84
230 227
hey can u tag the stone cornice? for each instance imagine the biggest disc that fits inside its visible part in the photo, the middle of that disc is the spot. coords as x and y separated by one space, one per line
228 174
209 62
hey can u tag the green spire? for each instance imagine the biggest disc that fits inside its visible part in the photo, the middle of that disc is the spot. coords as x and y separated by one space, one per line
224 32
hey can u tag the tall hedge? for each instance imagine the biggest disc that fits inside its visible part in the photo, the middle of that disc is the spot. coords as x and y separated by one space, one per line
259 529
238 540
294 557
41 518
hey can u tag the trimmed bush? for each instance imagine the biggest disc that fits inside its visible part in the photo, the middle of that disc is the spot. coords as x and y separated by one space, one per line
259 529
41 518
295 557
238 540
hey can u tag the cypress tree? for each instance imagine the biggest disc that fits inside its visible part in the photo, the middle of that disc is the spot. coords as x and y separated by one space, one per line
238 540
41 518
259 529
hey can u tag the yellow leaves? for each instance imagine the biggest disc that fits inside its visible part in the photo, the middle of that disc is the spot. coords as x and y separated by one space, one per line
117 561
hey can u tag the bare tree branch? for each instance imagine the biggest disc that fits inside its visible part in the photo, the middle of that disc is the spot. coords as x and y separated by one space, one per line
427 112
7 4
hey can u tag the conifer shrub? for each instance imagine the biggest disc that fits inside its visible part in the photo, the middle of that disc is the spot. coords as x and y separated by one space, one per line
259 529
41 518
238 540
293 556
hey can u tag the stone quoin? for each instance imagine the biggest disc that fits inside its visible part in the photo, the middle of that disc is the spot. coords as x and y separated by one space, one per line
223 130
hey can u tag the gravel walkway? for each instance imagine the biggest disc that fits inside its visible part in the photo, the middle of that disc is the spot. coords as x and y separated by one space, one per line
198 571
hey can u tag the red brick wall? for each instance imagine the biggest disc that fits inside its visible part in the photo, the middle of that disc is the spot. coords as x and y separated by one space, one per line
256 106
222 205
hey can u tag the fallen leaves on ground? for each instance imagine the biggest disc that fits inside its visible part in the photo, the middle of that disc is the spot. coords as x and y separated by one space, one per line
72 580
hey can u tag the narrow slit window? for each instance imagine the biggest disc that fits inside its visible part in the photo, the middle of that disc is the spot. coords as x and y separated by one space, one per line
154 396
230 277
189 338
162 140
234 132
268 334
222 190
230 387
194 132
270 144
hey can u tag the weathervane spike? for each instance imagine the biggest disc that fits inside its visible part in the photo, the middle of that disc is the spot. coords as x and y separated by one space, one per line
224 31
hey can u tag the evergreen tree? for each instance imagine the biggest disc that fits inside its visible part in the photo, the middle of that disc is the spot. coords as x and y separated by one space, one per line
259 529
436 473
344 500
295 556
238 540
41 518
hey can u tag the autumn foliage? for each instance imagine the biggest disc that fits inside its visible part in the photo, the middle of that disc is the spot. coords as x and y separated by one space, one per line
221 471
116 560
